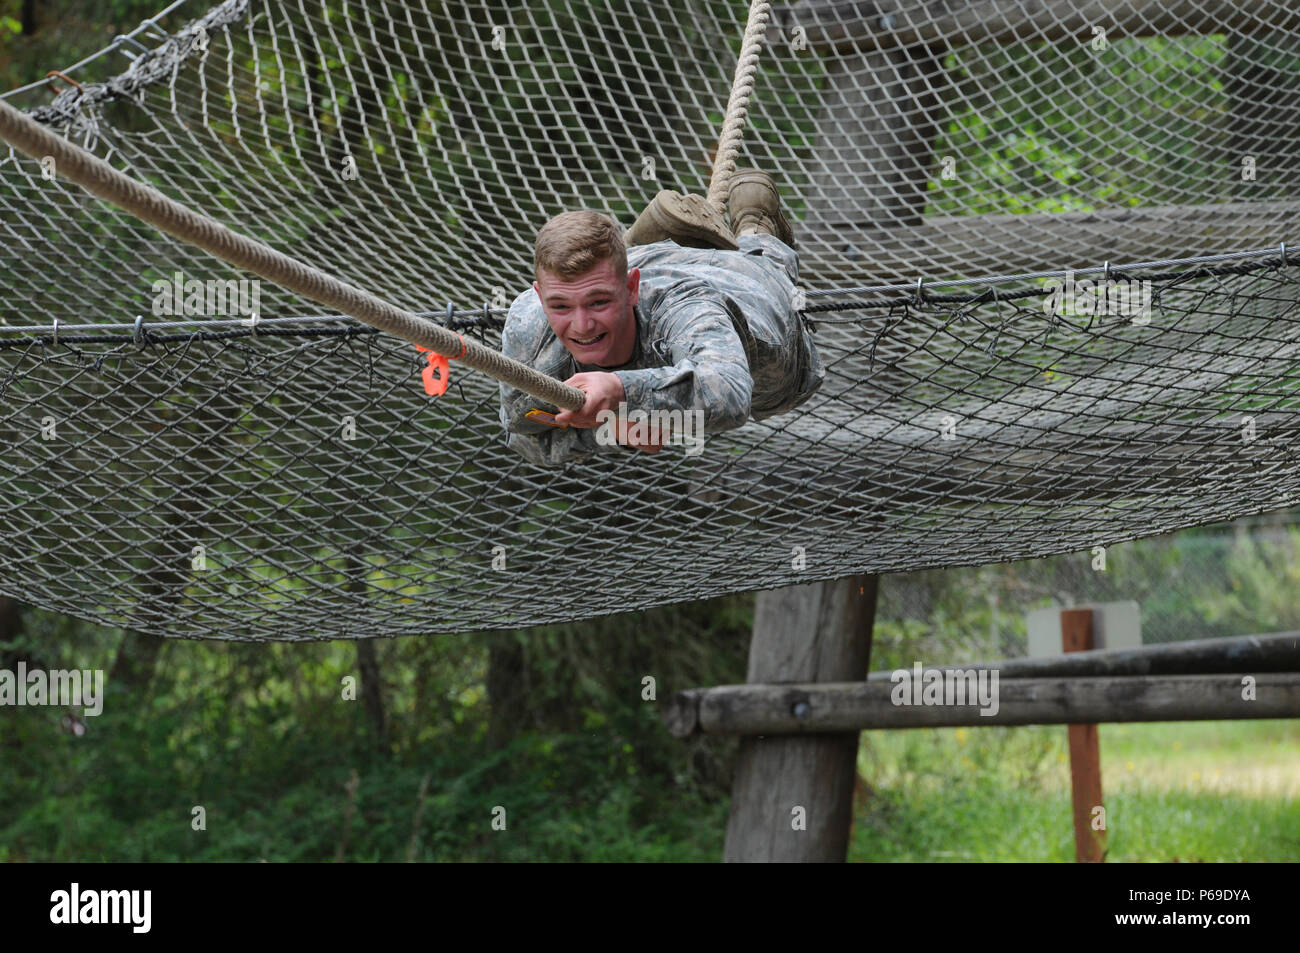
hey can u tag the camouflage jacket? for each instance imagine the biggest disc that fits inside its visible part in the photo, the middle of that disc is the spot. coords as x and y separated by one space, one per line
716 332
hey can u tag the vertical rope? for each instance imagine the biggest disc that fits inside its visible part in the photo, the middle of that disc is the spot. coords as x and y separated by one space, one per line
742 87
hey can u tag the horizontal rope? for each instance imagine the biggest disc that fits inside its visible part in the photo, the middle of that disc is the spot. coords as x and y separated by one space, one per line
148 204
474 318
1280 250
149 337
463 319
920 296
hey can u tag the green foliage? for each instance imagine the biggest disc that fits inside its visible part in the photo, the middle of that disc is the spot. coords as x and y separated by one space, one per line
260 736
1031 136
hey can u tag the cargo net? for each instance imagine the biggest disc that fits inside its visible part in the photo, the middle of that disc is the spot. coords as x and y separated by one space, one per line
191 476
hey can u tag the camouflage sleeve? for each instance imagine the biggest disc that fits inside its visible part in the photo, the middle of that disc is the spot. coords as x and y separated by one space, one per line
707 371
542 443
525 339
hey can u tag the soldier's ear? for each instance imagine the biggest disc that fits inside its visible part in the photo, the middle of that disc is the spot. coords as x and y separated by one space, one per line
633 284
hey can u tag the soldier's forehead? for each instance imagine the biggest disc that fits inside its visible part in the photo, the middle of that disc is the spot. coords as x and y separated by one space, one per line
600 278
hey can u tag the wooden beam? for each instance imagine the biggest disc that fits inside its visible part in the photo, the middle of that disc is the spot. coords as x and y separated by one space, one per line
887 24
1006 244
792 797
1279 652
805 708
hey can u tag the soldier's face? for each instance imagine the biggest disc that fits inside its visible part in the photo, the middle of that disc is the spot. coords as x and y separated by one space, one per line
592 314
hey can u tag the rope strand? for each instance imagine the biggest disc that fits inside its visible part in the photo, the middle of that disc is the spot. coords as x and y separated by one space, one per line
148 204
742 88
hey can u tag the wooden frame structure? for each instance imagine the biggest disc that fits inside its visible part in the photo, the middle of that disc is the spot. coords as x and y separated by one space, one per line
811 646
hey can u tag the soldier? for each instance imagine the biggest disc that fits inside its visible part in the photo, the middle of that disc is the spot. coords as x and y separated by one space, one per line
682 320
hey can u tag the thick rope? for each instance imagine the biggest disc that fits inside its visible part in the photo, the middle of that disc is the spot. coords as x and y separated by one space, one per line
150 205
742 87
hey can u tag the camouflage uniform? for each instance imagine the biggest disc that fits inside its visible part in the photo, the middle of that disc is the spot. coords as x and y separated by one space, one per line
716 331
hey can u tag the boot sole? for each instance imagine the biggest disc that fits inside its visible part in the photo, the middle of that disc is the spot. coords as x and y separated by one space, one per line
689 217
686 219
784 230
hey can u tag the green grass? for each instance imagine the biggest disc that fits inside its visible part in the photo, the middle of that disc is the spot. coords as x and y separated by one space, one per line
1196 791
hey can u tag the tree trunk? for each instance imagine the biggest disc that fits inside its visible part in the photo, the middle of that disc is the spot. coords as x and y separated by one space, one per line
372 694
11 627
505 680
137 657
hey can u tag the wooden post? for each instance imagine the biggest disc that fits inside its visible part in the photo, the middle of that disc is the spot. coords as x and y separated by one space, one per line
872 154
874 135
792 796
1085 752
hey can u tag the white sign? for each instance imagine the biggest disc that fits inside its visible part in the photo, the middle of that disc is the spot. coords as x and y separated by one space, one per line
1115 625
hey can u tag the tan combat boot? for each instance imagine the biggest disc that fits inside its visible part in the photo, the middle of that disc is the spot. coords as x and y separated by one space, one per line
755 206
688 219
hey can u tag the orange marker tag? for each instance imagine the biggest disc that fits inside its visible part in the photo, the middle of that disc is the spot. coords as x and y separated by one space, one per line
542 417
435 385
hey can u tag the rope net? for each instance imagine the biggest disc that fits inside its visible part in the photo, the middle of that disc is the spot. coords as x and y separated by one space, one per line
192 477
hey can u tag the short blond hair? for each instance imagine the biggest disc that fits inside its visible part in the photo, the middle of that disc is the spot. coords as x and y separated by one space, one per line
573 243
